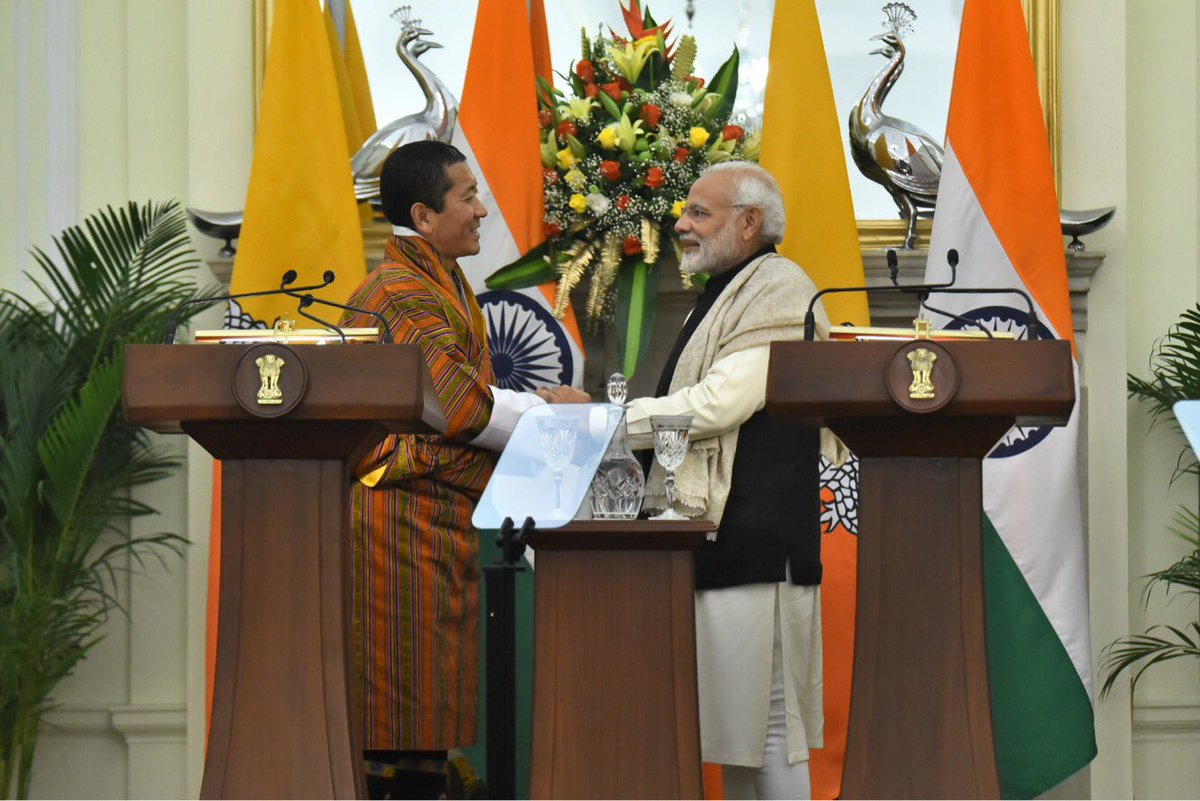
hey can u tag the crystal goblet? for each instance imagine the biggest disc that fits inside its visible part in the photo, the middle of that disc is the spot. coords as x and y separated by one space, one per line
557 437
670 448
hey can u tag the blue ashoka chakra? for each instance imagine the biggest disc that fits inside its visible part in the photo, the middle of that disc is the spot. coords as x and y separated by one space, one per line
1005 318
529 347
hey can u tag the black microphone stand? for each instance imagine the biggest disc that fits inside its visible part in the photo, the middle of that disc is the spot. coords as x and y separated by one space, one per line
501 659
173 320
385 335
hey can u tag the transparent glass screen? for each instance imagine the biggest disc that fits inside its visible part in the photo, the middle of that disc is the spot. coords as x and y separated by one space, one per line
547 466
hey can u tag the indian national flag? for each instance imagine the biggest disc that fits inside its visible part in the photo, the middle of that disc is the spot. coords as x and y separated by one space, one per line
1001 214
498 132
822 238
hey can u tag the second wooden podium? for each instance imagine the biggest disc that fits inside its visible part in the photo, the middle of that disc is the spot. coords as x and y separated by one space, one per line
920 416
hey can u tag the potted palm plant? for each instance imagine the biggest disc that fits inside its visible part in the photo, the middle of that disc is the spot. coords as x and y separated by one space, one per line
68 458
1175 376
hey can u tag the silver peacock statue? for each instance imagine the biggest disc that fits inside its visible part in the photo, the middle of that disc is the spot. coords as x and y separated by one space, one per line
896 154
435 121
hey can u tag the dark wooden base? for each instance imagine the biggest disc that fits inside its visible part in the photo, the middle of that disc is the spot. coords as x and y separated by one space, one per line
920 715
282 717
615 710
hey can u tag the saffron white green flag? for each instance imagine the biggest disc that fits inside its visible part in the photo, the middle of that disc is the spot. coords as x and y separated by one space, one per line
1001 213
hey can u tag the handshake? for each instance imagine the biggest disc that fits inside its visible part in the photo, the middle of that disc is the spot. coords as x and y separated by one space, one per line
562 395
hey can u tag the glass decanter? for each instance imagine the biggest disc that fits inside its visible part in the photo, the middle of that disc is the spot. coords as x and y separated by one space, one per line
619 485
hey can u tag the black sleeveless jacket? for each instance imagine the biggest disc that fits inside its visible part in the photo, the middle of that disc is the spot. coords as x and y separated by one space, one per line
772 516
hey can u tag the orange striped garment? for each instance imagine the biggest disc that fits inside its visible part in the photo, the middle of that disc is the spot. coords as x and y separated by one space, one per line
416 577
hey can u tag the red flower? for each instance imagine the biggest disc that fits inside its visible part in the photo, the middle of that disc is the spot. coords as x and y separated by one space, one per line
550 176
681 154
632 246
586 71
623 202
624 84
654 177
567 128
551 229
733 132
545 118
610 170
651 115
613 90
591 90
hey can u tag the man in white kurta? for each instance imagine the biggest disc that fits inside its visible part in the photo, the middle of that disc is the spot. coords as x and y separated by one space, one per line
758 635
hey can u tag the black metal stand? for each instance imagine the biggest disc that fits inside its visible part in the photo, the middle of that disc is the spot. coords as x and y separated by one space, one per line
501 659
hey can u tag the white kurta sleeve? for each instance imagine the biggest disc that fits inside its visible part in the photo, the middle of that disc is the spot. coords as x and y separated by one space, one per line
507 408
732 390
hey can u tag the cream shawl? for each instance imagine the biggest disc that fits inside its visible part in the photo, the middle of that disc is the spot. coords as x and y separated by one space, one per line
765 302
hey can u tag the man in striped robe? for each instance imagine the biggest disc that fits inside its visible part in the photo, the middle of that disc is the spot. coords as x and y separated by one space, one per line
416 577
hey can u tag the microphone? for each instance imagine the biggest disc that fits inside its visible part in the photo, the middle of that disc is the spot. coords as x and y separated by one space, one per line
307 301
923 290
288 277
385 335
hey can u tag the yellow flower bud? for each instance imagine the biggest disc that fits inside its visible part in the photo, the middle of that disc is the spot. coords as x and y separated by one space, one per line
566 159
608 138
575 179
698 136
578 203
677 209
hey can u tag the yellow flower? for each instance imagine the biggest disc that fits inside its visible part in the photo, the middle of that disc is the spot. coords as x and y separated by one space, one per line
697 136
677 209
608 138
566 159
578 203
575 179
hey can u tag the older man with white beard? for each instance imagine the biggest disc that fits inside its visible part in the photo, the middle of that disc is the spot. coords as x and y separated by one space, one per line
758 621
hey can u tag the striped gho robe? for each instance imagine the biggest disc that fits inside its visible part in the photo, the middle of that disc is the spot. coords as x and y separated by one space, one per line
416 577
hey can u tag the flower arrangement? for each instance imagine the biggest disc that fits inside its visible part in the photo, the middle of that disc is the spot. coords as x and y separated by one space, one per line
618 155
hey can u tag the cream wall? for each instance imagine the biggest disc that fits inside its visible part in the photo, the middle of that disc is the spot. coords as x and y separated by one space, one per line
106 100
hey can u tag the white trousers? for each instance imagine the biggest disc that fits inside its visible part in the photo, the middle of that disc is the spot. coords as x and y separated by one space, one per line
776 779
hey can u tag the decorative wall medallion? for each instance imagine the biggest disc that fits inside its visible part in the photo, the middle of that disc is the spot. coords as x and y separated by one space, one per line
270 379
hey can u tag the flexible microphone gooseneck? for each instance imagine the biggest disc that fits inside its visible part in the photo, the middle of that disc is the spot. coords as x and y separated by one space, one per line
173 320
924 290
385 335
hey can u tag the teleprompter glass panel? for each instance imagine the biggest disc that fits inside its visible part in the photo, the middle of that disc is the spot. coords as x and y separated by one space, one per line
547 466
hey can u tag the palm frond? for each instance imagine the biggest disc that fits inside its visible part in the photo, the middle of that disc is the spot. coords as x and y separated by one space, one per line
1149 650
1174 376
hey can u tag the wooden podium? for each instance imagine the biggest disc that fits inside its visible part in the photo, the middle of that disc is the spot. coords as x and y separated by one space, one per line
283 722
920 714
615 710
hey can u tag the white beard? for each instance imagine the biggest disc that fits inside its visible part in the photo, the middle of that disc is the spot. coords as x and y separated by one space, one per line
713 254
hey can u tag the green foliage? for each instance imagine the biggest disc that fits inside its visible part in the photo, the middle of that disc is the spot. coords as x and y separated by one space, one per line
1161 643
68 458
1175 376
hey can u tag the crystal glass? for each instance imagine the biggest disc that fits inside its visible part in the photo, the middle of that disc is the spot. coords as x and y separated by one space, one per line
619 485
670 448
557 437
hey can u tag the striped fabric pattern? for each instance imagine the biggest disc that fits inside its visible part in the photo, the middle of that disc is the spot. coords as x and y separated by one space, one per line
416 577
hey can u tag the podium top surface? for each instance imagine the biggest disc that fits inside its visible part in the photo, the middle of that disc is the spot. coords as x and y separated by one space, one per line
1029 382
208 392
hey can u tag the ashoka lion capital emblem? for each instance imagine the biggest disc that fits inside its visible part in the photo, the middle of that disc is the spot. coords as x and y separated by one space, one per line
269 368
922 360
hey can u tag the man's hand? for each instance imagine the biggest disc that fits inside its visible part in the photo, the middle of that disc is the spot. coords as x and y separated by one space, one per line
563 395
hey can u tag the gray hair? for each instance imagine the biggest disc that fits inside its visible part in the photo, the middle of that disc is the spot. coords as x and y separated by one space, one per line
754 186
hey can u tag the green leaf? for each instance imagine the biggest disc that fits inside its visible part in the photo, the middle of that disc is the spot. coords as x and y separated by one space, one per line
532 269
724 83
637 288
609 105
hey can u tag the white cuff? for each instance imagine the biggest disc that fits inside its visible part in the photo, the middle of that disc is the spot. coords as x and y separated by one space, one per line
507 408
